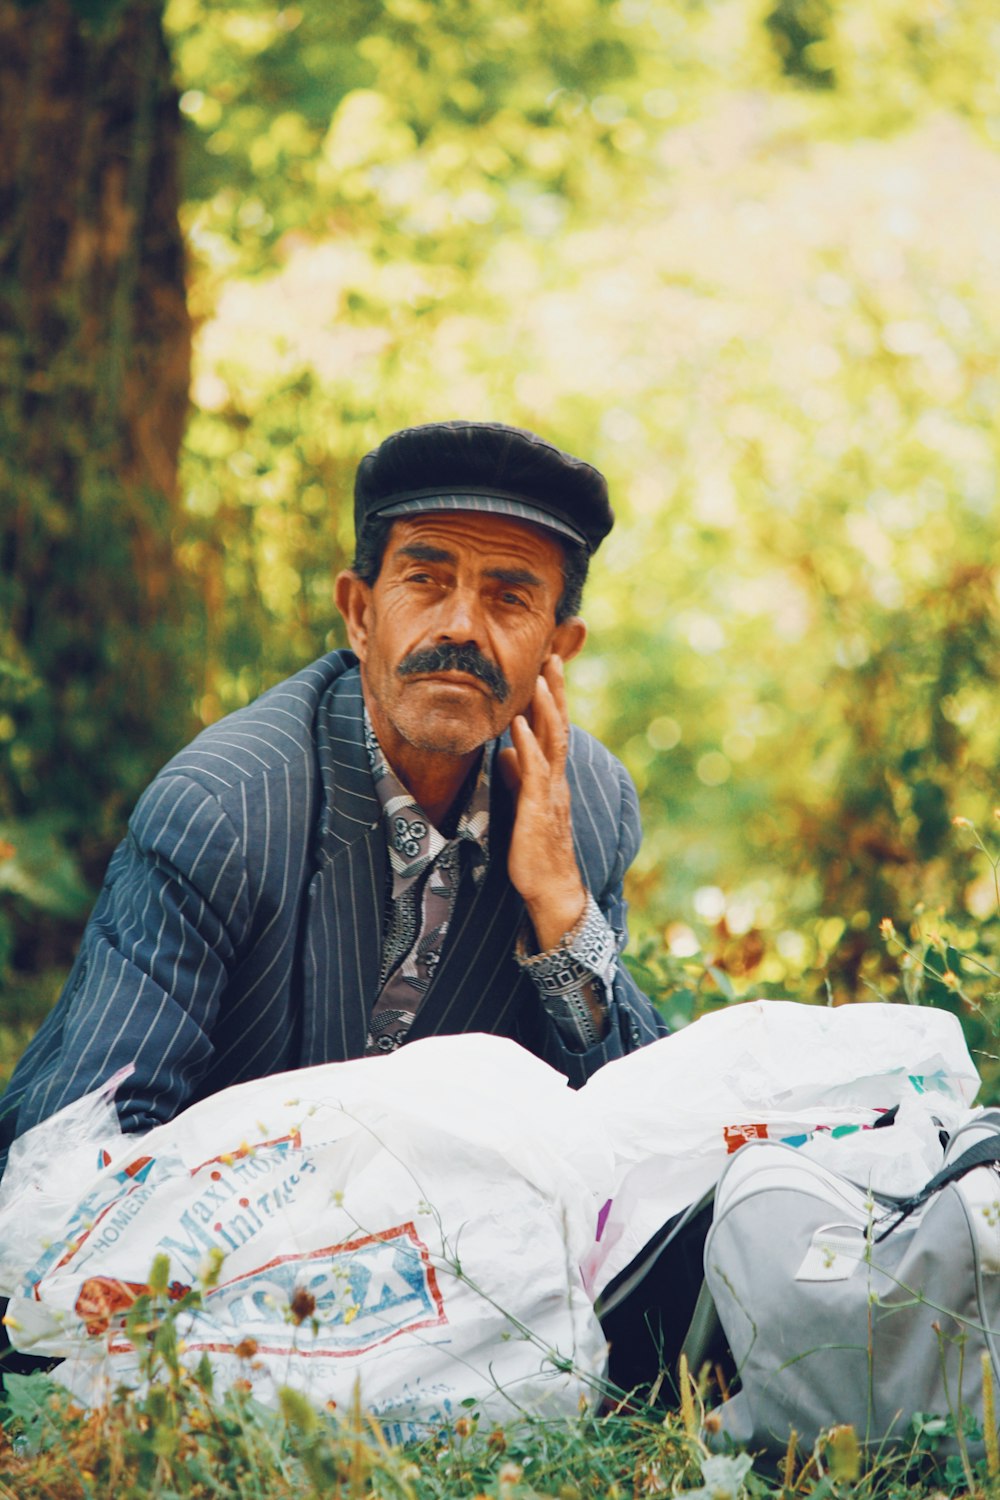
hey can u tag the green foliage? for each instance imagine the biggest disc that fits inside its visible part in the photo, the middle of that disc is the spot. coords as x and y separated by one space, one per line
35 866
951 958
800 31
427 125
38 874
36 1410
741 255
777 346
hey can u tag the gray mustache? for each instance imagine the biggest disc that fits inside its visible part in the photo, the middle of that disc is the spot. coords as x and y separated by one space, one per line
449 658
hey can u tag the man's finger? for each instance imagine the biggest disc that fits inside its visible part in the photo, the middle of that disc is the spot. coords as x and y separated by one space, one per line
555 675
551 725
543 714
532 762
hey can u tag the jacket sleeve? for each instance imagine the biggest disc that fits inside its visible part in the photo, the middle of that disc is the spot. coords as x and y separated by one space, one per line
606 816
153 964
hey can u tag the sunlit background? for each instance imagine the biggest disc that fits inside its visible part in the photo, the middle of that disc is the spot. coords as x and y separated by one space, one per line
742 255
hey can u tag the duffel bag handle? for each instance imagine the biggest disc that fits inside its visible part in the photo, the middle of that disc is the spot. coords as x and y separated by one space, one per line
981 1154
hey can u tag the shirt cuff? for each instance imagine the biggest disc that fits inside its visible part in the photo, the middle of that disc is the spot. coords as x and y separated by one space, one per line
585 956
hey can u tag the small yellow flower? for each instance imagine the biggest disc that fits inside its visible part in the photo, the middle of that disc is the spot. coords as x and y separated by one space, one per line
950 980
960 823
843 1454
887 927
211 1268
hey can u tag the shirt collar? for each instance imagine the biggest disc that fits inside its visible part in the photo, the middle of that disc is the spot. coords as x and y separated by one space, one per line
414 843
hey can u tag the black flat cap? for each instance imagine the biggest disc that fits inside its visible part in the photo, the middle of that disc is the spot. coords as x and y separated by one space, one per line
483 466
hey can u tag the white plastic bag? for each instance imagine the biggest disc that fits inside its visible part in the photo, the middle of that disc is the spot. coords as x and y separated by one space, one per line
450 1206
427 1212
816 1076
46 1167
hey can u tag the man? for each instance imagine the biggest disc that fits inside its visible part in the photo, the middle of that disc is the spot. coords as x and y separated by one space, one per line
404 839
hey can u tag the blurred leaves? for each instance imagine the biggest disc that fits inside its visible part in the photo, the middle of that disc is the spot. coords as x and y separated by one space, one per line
36 866
741 255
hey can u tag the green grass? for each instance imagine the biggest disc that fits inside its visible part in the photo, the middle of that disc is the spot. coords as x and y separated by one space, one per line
181 1441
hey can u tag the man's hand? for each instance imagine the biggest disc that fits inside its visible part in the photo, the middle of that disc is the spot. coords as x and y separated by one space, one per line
541 863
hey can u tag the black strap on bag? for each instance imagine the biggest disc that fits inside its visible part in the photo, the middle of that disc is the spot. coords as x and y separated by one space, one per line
981 1154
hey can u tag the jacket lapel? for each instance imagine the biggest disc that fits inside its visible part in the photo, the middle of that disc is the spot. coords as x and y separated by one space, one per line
344 903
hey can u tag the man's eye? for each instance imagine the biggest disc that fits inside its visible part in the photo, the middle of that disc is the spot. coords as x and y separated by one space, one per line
515 599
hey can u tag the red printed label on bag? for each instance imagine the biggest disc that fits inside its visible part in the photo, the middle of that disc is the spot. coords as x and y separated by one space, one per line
353 1297
736 1136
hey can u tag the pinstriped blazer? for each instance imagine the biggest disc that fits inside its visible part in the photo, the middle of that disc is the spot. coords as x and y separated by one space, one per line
239 928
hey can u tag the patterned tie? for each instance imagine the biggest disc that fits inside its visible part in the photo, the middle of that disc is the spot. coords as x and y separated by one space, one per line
426 873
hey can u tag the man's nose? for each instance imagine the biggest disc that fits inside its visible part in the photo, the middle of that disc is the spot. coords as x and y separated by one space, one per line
461 617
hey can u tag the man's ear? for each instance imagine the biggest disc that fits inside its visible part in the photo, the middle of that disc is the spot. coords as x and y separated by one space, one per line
353 599
569 637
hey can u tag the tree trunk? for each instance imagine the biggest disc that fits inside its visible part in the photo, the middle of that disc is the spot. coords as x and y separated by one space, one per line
95 614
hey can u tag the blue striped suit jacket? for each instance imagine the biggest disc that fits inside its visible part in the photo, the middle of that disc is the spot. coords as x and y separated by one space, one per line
239 929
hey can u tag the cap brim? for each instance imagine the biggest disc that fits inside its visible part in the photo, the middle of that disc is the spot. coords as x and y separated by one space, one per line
499 505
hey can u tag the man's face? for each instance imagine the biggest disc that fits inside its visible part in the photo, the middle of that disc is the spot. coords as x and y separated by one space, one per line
453 633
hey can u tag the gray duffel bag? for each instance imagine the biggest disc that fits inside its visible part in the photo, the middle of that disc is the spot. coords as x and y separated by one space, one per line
840 1307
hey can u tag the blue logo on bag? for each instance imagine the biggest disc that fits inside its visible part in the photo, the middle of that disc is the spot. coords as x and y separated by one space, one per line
347 1298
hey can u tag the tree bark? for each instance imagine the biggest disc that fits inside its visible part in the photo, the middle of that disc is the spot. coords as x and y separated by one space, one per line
95 344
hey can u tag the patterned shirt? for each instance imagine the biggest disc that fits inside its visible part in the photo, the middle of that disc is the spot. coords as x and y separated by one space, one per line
426 871
427 868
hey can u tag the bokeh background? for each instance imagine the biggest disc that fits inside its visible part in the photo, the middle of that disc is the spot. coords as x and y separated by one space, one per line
744 255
